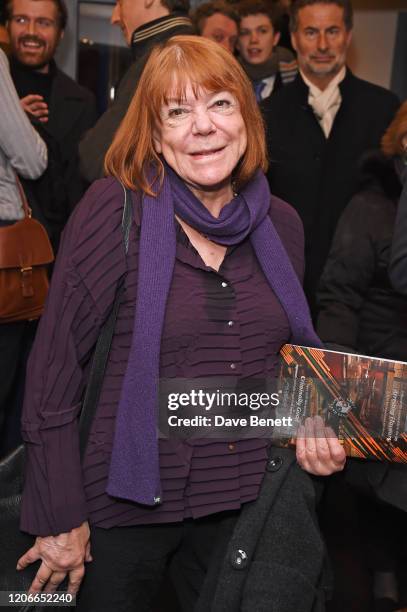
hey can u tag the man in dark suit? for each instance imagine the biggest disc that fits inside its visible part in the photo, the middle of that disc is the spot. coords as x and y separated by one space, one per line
65 109
320 125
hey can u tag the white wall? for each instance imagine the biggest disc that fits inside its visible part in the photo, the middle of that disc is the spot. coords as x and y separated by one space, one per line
94 24
67 52
371 53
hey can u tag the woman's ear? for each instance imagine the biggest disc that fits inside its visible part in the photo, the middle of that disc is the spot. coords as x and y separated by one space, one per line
157 141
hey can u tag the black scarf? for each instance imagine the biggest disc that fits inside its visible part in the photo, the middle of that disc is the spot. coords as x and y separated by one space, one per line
257 72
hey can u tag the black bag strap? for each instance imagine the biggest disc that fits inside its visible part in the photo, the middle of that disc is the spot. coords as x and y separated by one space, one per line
104 342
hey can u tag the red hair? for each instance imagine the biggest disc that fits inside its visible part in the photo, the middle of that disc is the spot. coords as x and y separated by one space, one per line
397 130
173 65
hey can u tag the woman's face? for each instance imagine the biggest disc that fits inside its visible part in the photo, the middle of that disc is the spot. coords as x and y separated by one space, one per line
202 138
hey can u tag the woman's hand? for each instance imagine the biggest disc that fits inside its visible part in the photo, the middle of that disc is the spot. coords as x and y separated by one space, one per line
63 554
319 451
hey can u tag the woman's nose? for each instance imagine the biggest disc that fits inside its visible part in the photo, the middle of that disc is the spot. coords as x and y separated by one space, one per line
202 122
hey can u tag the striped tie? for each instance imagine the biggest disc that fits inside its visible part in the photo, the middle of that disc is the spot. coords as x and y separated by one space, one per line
258 89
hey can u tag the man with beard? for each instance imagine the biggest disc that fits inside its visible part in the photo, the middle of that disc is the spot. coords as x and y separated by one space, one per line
64 109
320 125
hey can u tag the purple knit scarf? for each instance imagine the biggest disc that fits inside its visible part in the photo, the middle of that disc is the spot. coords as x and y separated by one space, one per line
134 468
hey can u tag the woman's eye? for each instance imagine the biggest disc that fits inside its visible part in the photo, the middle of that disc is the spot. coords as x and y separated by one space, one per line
176 112
222 104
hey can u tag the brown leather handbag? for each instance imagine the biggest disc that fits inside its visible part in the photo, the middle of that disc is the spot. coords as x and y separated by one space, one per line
25 252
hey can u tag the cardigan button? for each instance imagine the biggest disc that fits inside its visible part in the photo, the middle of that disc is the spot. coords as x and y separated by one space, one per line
239 559
274 464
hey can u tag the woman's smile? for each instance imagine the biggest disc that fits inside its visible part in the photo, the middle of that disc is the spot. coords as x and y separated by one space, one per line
206 154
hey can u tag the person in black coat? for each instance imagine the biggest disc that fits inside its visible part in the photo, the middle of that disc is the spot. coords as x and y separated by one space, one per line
361 312
398 263
65 109
320 125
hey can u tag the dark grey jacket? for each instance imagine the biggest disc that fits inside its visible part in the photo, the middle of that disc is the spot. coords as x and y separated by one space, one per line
274 561
93 148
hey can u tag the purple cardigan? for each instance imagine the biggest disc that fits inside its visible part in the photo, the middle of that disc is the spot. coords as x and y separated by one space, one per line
59 493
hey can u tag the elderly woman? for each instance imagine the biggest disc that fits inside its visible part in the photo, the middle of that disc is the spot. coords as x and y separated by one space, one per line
211 289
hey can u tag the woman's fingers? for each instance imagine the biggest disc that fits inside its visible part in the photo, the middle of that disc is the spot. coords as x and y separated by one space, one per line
75 579
30 556
318 449
41 579
337 451
54 581
301 450
300 442
310 442
48 581
323 449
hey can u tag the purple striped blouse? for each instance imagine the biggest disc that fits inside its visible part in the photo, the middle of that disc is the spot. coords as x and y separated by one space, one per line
226 323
